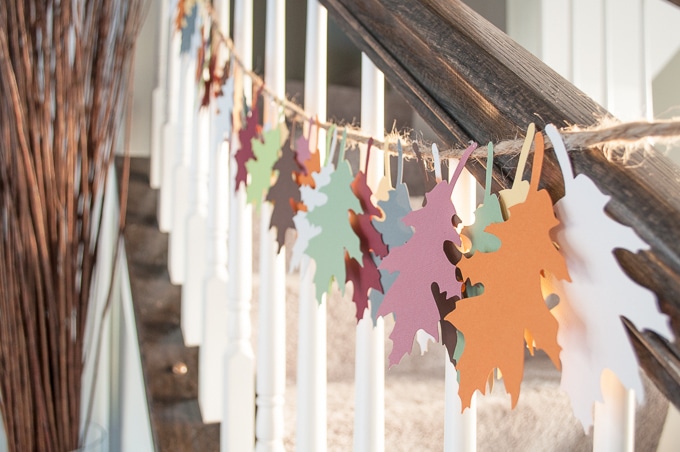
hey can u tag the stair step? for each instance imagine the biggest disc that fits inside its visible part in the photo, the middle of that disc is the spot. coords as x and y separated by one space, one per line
170 368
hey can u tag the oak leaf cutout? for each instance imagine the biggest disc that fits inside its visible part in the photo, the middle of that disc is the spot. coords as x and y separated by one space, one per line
246 135
336 235
284 194
260 168
591 333
494 323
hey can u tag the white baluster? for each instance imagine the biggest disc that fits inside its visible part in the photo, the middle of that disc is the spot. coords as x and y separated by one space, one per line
238 422
214 341
158 104
196 234
614 420
311 382
271 359
169 132
460 429
182 172
588 48
369 380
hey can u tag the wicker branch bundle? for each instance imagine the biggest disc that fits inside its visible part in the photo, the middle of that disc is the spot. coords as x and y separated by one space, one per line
65 69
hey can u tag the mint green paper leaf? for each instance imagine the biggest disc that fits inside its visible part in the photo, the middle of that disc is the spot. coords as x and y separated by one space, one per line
328 247
260 168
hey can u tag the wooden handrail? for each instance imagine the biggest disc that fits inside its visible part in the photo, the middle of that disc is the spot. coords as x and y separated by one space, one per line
469 80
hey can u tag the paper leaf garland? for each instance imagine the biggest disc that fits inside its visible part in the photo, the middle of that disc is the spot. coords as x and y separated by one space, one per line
303 151
591 333
494 322
284 194
421 261
328 248
266 153
246 136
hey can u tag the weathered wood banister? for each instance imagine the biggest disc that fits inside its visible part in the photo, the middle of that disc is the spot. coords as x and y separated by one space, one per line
470 81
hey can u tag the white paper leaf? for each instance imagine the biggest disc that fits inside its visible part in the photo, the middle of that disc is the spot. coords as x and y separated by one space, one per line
590 332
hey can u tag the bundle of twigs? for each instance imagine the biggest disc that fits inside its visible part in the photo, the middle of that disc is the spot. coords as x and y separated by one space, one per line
64 90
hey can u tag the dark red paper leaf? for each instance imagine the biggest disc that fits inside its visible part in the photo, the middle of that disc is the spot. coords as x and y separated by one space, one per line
245 135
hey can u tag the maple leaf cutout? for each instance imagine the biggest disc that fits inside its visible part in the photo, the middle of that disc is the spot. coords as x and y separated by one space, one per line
421 261
246 136
494 322
591 333
365 277
260 168
336 235
284 194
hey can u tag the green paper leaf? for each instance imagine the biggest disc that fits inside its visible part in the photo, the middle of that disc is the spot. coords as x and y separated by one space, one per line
260 169
328 248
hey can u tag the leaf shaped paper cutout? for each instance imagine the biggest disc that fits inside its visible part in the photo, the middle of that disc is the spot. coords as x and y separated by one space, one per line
284 194
518 193
328 248
421 261
246 136
311 166
494 322
303 151
591 333
365 277
187 15
487 213
312 198
224 106
260 168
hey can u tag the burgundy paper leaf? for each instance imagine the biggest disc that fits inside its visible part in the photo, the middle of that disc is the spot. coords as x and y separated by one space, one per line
363 279
245 136
445 305
371 239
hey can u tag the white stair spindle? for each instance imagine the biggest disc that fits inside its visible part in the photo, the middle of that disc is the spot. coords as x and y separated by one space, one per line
196 234
588 48
158 97
460 429
271 358
169 137
369 380
614 420
311 401
214 341
237 429
182 173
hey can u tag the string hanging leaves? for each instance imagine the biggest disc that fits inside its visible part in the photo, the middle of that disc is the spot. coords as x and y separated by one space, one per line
246 136
421 261
266 153
336 236
365 277
494 322
284 194
591 333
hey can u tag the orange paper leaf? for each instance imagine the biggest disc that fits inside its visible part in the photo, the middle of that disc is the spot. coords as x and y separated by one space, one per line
494 323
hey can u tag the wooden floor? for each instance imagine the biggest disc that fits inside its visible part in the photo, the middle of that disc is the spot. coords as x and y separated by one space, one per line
170 368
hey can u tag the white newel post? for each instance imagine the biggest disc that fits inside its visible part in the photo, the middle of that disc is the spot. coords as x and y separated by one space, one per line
214 341
169 133
369 397
158 97
196 234
237 430
460 429
182 171
311 371
271 349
